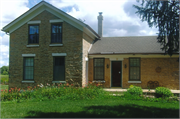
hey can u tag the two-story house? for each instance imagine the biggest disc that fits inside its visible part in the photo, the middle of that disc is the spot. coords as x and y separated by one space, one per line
49 46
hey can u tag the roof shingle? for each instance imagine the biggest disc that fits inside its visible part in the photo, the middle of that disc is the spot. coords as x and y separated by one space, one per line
117 45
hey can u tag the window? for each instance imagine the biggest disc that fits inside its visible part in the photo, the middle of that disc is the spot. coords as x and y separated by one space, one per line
56 33
98 69
134 69
28 68
59 69
33 34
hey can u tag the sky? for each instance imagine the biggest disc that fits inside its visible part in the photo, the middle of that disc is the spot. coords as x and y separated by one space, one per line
119 18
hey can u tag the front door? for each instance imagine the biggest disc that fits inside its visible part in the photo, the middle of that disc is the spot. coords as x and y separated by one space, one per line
116 73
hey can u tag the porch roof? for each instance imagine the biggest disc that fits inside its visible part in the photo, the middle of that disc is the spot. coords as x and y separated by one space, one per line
127 45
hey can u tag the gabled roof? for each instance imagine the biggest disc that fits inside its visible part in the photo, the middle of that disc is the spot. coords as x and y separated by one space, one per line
40 7
127 45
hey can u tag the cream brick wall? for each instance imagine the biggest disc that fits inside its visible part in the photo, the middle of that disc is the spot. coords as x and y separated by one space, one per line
86 43
168 77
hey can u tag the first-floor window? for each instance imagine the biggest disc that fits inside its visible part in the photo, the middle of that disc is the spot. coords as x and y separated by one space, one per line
59 69
28 68
99 69
134 69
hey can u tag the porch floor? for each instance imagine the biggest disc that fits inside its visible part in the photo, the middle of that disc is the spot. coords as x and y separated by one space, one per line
144 90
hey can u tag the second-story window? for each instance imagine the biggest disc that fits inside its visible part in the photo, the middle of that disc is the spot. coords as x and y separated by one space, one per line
33 34
56 33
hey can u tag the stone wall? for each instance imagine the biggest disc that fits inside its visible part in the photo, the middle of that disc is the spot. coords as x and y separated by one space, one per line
43 61
168 77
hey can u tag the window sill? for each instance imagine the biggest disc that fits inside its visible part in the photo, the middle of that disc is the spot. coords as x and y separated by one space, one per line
27 81
56 45
134 81
58 81
32 45
99 81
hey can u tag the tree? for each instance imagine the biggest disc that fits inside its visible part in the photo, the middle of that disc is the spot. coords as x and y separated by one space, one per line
5 70
165 16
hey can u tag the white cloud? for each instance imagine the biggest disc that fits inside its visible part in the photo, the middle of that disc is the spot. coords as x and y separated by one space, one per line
9 10
119 15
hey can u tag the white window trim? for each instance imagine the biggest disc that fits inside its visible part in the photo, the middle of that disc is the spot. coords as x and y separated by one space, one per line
99 81
56 45
32 45
34 22
58 81
134 81
59 54
27 81
55 21
28 55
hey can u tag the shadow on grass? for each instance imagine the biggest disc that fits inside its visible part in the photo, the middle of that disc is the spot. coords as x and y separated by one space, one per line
120 111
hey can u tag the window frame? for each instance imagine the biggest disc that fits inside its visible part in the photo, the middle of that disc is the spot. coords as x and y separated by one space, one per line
135 66
32 34
24 69
56 33
54 67
96 66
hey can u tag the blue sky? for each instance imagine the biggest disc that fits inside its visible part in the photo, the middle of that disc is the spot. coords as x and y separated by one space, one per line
119 18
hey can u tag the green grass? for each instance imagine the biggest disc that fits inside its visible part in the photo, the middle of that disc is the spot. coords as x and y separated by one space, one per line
4 87
4 79
104 108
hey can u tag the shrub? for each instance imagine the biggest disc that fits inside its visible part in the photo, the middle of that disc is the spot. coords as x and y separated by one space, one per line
163 92
135 90
61 91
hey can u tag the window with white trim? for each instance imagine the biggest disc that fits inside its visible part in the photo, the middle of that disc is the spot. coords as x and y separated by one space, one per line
99 69
134 69
28 68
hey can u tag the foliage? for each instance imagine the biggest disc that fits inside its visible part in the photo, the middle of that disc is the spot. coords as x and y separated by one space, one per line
165 16
4 79
163 92
60 91
5 70
134 90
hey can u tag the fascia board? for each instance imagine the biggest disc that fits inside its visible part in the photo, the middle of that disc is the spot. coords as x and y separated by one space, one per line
65 18
128 55
64 14
24 20
21 17
89 33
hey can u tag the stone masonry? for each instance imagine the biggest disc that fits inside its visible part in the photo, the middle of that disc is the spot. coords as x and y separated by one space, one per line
72 41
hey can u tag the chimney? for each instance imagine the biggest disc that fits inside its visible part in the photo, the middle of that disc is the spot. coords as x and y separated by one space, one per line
100 24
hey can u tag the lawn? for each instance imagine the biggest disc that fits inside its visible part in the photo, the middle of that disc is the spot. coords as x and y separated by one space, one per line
4 79
4 87
104 108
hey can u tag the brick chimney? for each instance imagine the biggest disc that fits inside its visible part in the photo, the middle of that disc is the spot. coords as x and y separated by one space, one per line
100 24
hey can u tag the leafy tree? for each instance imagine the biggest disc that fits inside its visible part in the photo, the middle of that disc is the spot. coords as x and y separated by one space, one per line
5 70
165 16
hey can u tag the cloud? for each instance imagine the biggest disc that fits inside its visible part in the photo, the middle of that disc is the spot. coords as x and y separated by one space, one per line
9 10
119 16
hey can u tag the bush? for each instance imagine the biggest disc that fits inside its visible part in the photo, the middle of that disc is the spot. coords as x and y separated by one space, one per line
135 90
61 91
163 92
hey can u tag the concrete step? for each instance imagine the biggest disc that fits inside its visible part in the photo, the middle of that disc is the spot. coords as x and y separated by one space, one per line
144 90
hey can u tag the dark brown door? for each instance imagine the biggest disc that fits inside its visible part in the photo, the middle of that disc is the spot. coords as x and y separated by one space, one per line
116 74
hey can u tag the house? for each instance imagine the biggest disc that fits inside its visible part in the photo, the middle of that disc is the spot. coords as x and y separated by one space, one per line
49 46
